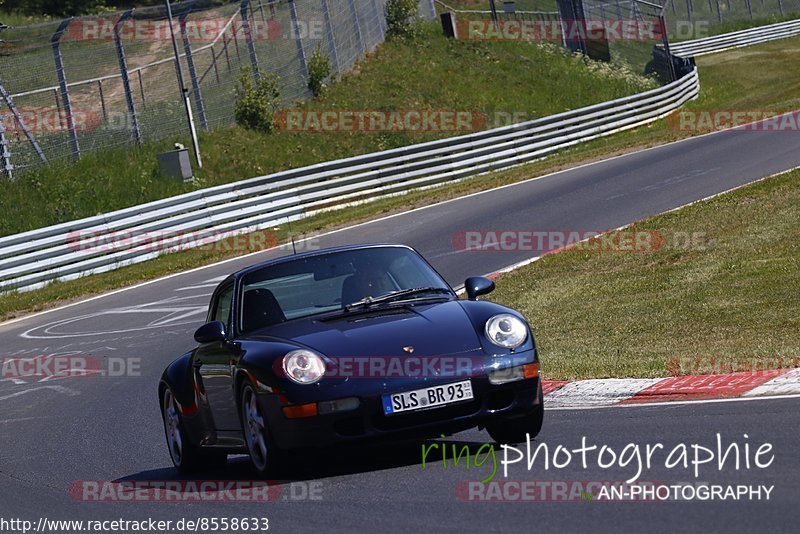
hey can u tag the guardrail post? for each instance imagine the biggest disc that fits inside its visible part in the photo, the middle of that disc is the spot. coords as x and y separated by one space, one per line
326 13
359 37
187 50
248 36
55 42
301 53
126 82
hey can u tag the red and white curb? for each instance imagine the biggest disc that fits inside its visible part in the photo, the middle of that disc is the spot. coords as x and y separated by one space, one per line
618 391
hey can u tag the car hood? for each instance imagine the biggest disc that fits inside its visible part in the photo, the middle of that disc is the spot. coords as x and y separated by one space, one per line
435 329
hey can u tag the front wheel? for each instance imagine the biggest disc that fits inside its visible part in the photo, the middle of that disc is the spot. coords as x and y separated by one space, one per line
516 429
185 455
264 455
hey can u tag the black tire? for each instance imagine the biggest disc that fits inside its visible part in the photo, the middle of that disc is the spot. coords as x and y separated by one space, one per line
266 457
186 456
516 429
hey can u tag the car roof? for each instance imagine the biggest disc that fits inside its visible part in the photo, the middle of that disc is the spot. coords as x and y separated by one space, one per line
312 253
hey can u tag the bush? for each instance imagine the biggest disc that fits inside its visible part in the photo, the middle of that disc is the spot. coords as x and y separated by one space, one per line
257 103
401 19
319 70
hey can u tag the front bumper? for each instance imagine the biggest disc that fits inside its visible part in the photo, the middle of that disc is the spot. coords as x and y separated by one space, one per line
369 423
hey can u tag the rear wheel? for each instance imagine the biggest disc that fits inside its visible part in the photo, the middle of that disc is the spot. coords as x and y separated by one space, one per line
185 455
264 455
516 429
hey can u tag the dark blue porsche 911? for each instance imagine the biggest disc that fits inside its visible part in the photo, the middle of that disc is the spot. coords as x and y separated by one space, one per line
342 346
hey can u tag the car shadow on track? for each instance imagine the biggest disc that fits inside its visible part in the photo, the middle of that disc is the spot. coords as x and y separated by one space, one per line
332 462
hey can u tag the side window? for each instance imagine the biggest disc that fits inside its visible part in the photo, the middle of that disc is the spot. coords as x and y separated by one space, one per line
222 306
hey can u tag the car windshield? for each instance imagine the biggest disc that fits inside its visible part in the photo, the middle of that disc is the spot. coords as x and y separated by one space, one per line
335 281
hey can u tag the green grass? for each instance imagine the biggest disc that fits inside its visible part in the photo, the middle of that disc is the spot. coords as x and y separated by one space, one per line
432 74
720 75
735 295
20 19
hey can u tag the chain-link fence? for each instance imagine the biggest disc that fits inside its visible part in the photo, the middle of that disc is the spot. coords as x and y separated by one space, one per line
622 31
630 30
694 19
84 84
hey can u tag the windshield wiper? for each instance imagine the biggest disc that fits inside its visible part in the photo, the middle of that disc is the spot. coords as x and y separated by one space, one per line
394 295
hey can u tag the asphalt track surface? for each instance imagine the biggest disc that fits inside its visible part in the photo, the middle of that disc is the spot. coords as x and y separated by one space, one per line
54 433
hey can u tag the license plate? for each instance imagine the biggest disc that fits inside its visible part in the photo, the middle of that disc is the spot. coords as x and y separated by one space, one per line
432 397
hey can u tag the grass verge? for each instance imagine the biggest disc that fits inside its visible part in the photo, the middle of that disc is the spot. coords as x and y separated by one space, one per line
729 293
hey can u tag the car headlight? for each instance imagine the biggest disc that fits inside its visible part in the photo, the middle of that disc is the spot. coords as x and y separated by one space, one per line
303 366
506 330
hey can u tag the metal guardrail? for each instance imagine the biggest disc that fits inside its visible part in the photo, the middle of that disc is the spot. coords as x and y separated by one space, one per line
71 250
68 251
738 39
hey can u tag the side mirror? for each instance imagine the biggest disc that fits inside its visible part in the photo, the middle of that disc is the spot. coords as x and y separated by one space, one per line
477 286
211 332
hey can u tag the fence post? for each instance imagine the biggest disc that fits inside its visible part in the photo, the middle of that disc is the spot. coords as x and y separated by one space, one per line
187 50
326 12
102 99
187 104
301 54
248 36
495 19
8 167
126 82
359 37
662 20
572 12
55 41
141 87
14 111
